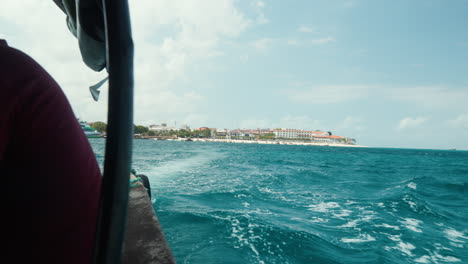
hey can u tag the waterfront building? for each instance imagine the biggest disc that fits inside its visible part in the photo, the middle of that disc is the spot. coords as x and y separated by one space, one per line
265 131
162 128
249 133
297 133
320 136
329 139
222 132
235 133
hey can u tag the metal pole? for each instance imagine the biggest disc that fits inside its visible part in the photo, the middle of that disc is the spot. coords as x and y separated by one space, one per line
114 195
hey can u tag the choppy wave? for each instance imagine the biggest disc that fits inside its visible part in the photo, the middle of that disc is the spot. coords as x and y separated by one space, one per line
225 203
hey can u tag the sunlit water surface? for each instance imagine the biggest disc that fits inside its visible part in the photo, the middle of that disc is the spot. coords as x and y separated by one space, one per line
249 203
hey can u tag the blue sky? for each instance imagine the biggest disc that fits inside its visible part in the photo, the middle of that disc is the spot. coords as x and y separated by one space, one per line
388 73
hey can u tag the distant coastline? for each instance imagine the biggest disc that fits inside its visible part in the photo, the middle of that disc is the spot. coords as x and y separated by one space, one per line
278 136
271 142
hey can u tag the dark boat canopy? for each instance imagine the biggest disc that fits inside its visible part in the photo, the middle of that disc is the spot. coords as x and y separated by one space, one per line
86 22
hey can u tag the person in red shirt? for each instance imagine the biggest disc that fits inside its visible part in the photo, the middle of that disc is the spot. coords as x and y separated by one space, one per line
51 179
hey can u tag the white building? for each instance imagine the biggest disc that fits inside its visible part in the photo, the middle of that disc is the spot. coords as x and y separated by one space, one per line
222 132
297 133
162 128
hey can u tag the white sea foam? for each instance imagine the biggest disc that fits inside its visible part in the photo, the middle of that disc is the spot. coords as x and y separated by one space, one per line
456 245
175 167
359 239
388 226
266 190
446 258
245 239
352 223
254 249
342 213
323 207
401 246
436 258
412 185
318 220
259 211
396 238
405 248
257 255
412 204
412 224
369 212
454 235
439 246
423 259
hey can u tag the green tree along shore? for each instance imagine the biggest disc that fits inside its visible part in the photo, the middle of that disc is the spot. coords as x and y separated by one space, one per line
140 129
181 133
101 127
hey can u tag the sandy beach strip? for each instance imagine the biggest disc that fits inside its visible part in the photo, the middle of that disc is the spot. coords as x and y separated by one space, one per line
276 142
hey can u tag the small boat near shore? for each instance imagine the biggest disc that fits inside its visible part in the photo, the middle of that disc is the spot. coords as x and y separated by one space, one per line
89 131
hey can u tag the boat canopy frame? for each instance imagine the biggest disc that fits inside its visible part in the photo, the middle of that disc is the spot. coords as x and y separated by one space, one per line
104 35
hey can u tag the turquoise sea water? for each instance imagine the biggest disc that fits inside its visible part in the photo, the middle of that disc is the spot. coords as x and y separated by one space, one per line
248 203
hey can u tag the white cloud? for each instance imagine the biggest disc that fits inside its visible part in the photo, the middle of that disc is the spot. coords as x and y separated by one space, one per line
252 123
433 97
461 121
350 3
44 36
326 94
262 44
300 122
170 38
259 7
196 120
351 122
178 103
306 29
324 40
430 96
358 53
244 58
297 122
409 122
319 41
